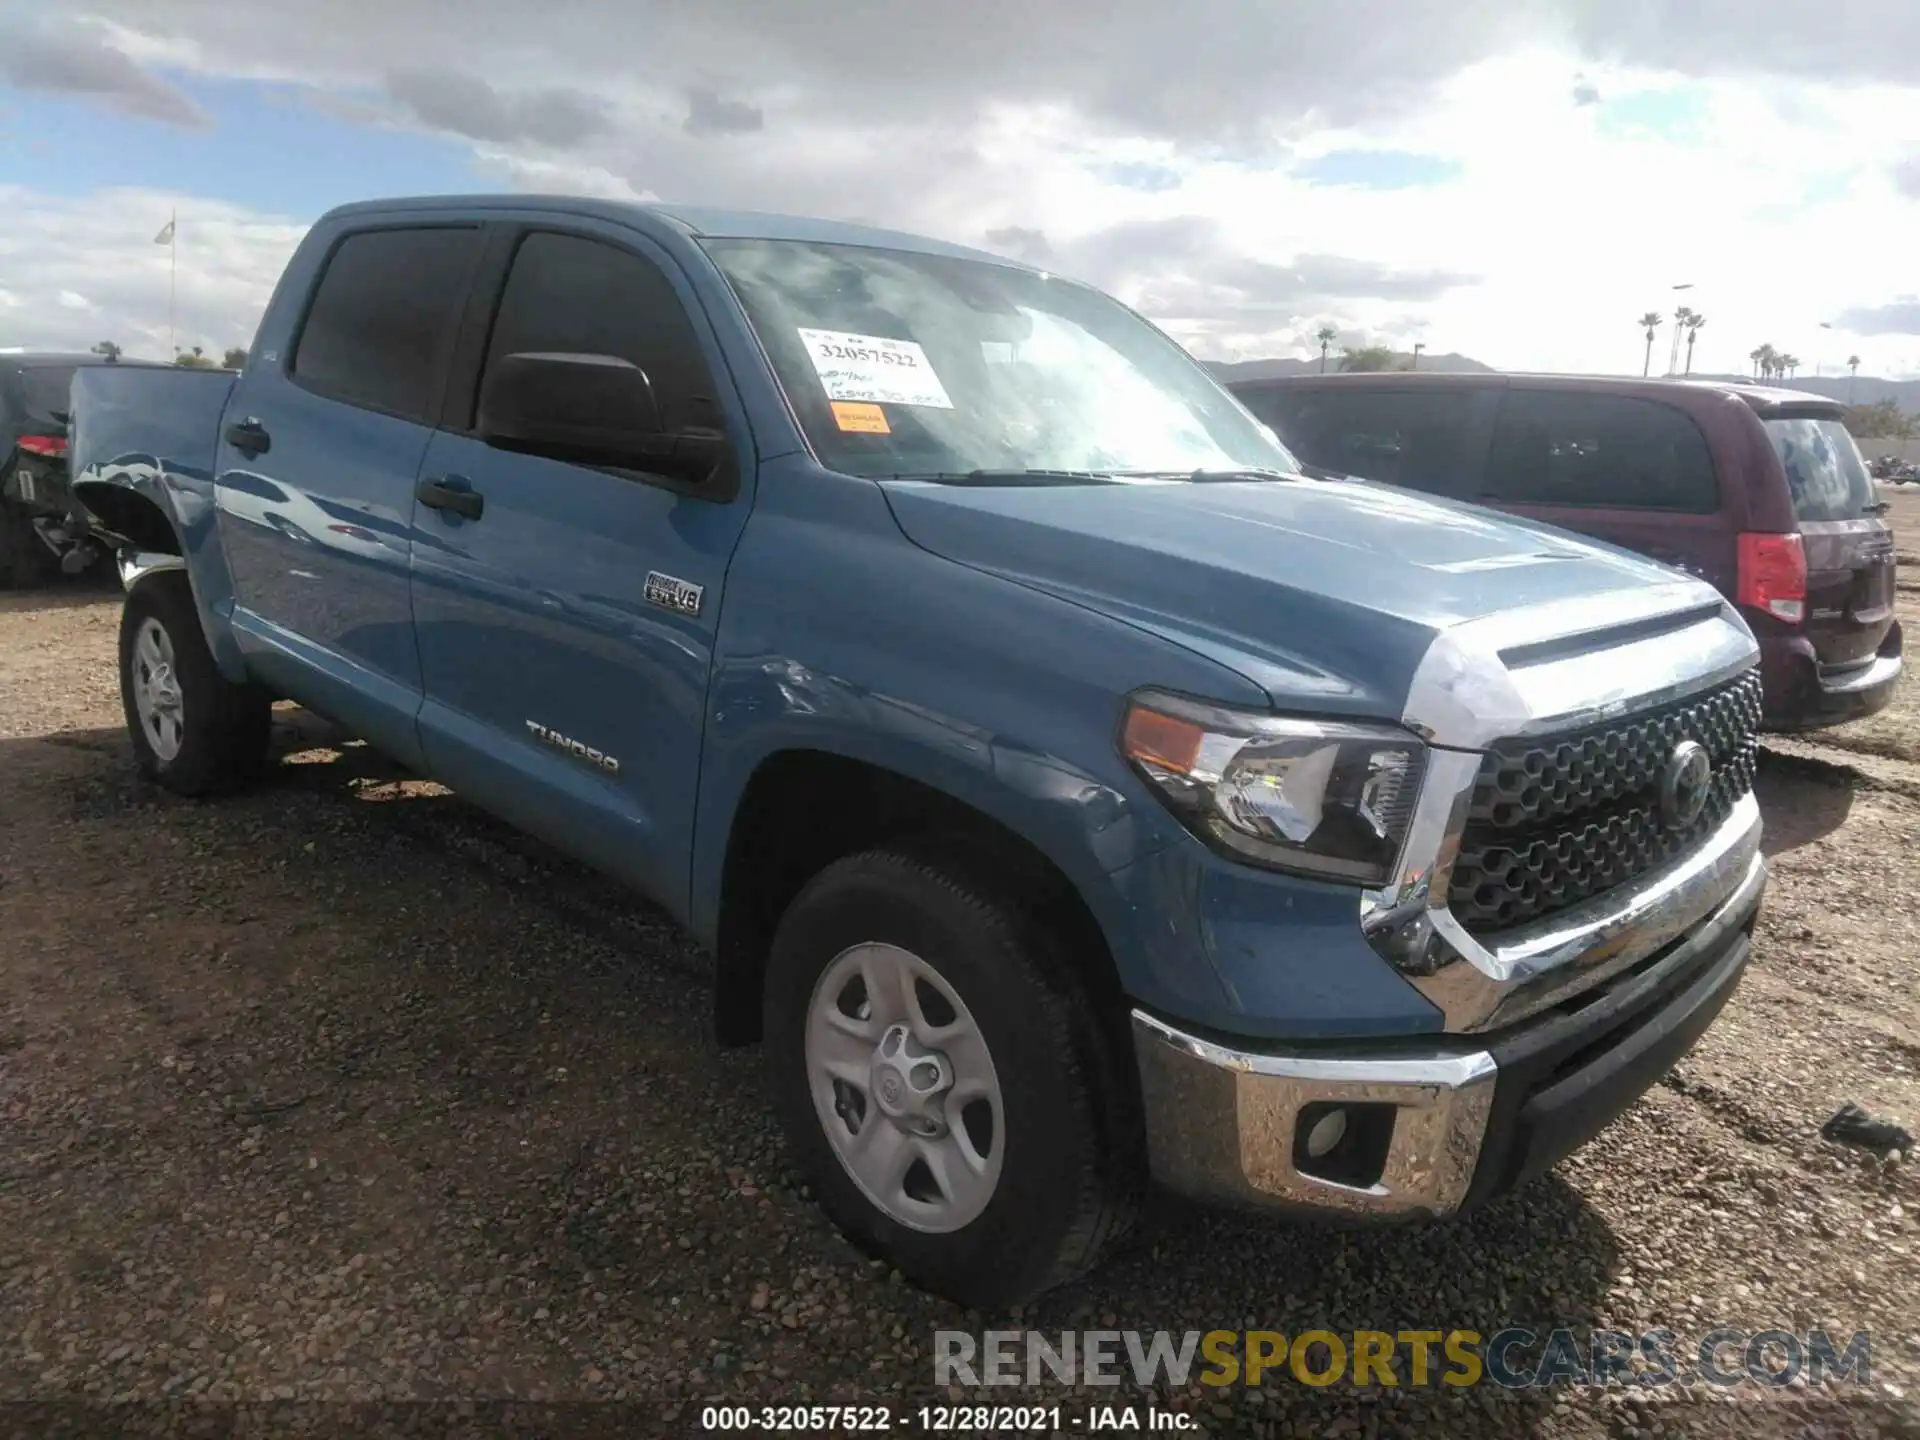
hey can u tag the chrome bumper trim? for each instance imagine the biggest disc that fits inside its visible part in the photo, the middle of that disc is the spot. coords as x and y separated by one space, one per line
1220 1122
1881 670
1540 671
136 565
1479 987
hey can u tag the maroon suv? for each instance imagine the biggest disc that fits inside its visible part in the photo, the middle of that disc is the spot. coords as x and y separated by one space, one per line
1758 490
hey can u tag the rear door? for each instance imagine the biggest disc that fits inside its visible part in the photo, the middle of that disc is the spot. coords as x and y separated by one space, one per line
1620 468
317 463
1429 438
1850 566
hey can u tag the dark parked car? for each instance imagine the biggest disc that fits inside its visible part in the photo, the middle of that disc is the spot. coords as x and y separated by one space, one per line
1760 491
41 528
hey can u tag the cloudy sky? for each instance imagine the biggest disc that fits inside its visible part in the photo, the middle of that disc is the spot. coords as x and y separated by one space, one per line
1516 180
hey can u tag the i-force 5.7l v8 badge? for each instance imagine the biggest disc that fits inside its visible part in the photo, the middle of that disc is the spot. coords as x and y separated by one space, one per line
673 593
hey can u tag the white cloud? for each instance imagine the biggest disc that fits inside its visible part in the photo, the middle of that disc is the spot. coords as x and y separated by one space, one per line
1590 153
86 270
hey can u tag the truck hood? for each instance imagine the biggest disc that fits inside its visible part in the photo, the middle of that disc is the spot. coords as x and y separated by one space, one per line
1329 591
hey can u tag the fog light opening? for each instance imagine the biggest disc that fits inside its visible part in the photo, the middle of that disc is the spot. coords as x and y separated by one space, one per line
1326 1133
1344 1143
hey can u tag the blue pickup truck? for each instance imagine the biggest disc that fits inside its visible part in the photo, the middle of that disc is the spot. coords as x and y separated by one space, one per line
1070 790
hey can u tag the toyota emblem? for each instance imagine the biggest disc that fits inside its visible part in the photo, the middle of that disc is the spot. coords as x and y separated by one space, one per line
1683 787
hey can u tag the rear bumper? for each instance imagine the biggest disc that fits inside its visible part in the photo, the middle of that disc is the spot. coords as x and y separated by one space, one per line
1802 694
1433 1128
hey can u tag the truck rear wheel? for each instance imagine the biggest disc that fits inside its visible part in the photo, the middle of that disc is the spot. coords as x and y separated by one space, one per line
942 1081
193 730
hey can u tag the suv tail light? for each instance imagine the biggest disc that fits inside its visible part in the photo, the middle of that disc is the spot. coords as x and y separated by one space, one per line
53 447
1773 576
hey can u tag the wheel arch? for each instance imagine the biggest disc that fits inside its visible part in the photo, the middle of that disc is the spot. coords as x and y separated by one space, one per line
849 805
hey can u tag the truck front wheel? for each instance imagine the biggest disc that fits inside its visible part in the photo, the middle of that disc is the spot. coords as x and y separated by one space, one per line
193 730
942 1080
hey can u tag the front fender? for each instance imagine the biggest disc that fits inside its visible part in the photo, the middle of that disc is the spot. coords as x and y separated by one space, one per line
837 634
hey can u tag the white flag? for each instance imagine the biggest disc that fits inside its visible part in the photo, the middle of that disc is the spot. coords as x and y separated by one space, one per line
165 237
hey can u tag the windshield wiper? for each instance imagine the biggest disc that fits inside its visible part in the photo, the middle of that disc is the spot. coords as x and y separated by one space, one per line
1088 477
1008 477
1252 472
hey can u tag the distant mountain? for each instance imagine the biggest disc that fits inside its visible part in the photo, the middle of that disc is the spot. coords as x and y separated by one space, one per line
1274 369
1860 390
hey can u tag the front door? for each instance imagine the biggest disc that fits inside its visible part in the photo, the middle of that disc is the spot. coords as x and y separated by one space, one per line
566 632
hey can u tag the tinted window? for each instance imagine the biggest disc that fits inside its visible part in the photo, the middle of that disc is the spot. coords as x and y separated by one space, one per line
1413 438
1566 448
45 389
381 321
1828 479
567 295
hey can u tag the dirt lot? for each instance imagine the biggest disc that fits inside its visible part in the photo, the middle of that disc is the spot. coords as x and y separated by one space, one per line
341 1092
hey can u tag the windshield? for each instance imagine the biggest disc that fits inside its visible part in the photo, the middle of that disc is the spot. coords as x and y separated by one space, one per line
1828 479
45 390
899 363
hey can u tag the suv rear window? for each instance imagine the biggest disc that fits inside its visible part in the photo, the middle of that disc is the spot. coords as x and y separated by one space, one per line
45 389
1825 473
1562 447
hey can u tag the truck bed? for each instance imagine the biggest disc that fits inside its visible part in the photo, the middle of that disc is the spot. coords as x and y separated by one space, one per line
132 427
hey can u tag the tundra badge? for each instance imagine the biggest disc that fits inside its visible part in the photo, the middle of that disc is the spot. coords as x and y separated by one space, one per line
673 594
574 748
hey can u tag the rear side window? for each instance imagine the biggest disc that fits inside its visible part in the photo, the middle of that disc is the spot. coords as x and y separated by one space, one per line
45 392
1825 474
1415 438
381 322
1561 447
571 295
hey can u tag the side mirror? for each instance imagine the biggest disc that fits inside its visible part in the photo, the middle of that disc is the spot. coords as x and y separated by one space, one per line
592 410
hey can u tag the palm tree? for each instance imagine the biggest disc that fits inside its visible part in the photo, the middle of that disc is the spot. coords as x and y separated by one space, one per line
1788 364
1694 321
1853 372
1757 354
1650 322
1326 335
1682 318
1767 361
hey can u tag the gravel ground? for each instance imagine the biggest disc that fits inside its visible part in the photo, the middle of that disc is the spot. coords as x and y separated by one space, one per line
340 1091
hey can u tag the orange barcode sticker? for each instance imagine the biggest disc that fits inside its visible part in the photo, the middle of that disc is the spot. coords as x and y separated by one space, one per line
861 417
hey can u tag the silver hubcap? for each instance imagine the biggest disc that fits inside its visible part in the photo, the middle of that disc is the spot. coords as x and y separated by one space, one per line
156 689
904 1087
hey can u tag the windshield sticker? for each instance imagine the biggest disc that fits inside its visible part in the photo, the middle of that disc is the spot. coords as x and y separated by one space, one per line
874 369
860 418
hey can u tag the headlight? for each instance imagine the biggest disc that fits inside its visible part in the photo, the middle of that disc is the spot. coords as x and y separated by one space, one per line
1316 796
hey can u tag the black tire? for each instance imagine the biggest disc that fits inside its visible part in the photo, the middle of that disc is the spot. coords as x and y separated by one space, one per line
1072 1169
24 561
223 727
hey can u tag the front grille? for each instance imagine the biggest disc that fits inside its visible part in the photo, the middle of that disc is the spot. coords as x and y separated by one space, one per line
1554 820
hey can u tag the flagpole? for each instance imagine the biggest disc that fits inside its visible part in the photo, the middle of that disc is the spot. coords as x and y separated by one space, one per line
173 271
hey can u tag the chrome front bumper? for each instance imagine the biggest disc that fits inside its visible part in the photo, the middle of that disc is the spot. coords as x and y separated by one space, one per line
1223 1123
